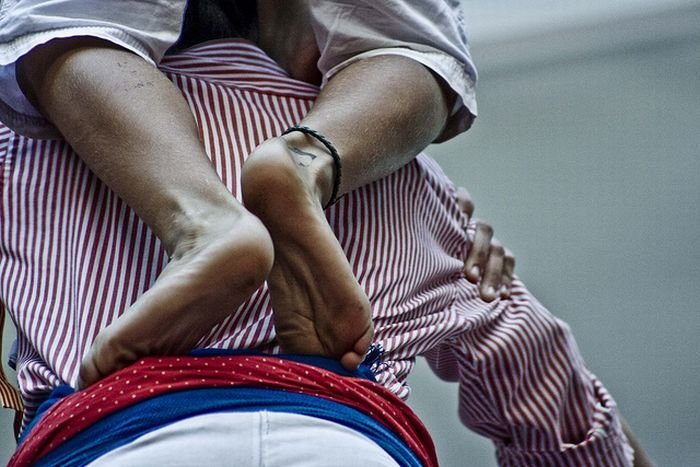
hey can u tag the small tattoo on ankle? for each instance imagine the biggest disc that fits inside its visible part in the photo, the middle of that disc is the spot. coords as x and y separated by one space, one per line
304 159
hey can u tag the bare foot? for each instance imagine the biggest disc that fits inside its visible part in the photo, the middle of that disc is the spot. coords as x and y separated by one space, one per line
215 267
318 305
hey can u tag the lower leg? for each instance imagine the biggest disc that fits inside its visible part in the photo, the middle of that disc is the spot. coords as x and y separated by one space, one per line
131 126
318 305
135 131
379 113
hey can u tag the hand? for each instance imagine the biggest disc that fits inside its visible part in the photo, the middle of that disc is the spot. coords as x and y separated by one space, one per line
489 264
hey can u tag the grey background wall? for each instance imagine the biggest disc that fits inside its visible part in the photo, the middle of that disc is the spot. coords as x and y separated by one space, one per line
586 159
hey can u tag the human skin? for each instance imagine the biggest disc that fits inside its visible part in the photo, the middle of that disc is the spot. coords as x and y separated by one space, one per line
487 256
318 304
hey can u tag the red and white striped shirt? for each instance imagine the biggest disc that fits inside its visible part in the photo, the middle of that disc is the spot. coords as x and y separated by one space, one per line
73 257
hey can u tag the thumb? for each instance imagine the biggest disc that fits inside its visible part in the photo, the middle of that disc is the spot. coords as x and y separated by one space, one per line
89 372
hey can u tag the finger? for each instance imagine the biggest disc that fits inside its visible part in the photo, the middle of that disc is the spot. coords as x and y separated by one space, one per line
464 201
493 273
89 371
104 358
88 374
478 253
352 360
508 269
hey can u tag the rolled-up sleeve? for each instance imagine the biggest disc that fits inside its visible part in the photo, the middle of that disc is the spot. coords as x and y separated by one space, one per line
523 383
147 28
430 32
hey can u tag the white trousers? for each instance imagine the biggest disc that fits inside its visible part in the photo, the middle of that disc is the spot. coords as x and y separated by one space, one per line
270 439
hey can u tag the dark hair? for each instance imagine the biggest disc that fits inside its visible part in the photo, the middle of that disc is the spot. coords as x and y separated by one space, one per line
218 19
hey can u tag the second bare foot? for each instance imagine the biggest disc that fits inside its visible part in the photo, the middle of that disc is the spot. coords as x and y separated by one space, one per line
318 305
219 262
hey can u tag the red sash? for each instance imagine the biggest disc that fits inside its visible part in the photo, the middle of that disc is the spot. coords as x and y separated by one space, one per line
154 376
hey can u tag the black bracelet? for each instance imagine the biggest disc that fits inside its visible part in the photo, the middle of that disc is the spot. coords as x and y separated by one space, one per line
337 166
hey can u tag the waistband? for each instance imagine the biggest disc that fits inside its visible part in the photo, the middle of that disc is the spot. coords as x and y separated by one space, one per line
160 390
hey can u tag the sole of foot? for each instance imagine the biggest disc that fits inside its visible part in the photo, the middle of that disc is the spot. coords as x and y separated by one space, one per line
214 269
319 307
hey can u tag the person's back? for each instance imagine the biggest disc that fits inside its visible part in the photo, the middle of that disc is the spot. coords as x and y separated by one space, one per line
405 237
398 73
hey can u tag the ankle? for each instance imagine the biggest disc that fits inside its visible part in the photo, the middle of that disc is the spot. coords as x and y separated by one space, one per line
312 157
196 220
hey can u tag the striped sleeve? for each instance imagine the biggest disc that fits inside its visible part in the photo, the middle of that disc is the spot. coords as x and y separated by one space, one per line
523 384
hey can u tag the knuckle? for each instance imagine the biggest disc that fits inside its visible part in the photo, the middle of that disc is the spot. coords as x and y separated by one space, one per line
464 201
485 228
